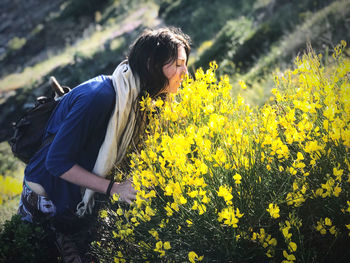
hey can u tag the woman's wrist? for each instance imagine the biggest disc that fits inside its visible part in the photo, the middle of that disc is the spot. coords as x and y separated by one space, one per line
109 188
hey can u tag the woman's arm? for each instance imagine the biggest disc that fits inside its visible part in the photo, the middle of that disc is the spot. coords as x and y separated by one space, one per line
80 176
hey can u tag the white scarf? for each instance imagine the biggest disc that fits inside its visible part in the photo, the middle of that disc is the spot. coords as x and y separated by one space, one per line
119 130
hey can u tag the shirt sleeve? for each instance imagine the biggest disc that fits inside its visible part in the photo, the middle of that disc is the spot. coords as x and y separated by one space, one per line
87 114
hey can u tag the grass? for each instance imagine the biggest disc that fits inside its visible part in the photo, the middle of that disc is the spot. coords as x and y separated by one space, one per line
8 209
282 52
309 31
85 47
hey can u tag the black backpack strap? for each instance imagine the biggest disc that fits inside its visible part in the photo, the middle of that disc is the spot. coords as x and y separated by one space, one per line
59 91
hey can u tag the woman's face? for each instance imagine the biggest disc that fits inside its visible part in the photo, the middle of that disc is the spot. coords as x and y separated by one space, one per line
175 71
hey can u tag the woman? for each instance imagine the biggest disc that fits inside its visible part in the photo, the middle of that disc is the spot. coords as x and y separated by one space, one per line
93 126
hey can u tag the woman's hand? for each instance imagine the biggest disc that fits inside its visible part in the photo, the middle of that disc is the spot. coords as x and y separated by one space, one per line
125 190
79 176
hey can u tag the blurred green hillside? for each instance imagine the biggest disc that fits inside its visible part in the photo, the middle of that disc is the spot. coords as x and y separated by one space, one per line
75 40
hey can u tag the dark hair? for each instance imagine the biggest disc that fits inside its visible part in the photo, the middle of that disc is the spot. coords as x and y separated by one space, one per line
147 56
150 52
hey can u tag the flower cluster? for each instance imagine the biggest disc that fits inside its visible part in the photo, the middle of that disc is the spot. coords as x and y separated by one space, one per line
215 175
9 187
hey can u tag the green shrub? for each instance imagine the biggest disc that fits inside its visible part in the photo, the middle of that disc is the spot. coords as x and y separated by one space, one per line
227 42
23 242
219 181
77 8
202 19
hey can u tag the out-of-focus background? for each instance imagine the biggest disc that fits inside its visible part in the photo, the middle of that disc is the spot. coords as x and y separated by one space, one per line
75 40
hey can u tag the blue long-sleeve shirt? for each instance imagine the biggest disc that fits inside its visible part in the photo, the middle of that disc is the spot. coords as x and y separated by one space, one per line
79 121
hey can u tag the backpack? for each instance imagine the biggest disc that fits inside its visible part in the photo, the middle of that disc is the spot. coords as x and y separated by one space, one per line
29 131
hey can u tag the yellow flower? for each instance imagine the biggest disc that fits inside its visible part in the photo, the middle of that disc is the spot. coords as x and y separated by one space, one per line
115 197
285 232
149 211
270 253
225 192
242 84
193 193
313 146
290 257
273 210
202 209
333 230
273 242
174 206
338 173
120 212
158 103
159 246
348 227
120 258
167 245
237 178
238 213
154 233
103 214
220 156
205 199
193 257
229 216
292 247
169 211
320 227
327 221
300 156
183 200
